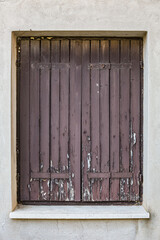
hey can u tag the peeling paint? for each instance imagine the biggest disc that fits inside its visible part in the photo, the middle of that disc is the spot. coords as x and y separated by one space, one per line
61 189
88 138
71 190
43 193
48 183
86 194
72 175
29 187
51 163
89 160
41 166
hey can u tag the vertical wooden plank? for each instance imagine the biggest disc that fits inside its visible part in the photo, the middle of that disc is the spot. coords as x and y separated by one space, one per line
44 118
104 119
55 88
75 120
114 119
34 118
64 109
86 137
95 147
124 119
24 121
135 119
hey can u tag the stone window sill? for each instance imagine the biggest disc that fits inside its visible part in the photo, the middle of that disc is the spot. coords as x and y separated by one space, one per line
79 212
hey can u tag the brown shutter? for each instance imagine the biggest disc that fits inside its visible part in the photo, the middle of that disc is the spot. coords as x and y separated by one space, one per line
111 127
80 119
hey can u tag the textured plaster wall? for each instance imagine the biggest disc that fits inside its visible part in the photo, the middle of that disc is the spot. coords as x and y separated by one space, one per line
95 15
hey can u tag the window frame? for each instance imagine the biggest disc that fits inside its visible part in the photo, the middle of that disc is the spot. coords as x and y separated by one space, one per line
13 115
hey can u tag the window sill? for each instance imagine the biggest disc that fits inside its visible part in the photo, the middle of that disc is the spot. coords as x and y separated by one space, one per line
79 212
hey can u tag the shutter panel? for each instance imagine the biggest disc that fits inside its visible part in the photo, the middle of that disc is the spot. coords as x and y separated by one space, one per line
80 119
111 120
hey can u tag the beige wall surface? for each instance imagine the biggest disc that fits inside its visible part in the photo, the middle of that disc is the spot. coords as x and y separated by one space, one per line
125 17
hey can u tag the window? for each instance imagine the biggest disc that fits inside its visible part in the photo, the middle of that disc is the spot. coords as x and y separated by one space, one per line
79 133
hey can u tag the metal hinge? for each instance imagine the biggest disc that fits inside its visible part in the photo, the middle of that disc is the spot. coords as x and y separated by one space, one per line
140 178
141 64
18 177
18 63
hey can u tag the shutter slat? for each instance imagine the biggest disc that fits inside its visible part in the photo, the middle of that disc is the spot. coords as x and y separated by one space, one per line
104 119
86 135
24 121
44 119
135 119
34 119
124 119
75 121
114 120
95 144
64 113
55 96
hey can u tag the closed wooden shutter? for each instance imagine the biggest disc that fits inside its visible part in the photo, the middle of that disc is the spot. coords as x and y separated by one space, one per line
79 128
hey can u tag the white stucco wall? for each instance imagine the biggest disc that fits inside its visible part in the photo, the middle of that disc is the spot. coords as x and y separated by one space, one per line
83 15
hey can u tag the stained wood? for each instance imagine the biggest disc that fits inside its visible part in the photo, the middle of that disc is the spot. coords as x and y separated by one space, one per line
75 120
44 119
104 119
95 125
64 119
55 120
24 121
135 119
86 133
124 119
34 118
80 120
114 120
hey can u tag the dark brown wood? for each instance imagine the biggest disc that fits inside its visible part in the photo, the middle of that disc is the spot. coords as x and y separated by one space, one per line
114 120
75 120
80 116
104 119
104 65
39 175
64 120
95 125
110 175
86 133
34 119
44 119
24 122
124 119
55 123
135 120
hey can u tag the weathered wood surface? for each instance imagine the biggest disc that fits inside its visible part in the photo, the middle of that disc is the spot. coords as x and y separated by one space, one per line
80 108
34 119
24 122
